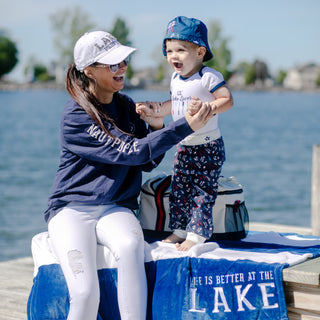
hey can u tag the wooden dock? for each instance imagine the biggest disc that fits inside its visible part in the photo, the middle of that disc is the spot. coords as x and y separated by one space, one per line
15 285
301 284
302 290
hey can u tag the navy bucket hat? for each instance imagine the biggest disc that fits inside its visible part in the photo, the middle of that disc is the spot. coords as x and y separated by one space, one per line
188 29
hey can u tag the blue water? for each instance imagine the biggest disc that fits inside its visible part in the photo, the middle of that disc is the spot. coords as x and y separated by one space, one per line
268 136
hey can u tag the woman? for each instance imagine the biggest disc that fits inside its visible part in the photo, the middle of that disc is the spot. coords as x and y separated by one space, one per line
104 148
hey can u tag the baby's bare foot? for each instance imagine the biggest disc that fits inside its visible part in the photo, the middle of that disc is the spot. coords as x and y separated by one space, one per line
173 239
185 245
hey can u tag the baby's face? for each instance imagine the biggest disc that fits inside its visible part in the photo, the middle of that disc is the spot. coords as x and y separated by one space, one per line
185 57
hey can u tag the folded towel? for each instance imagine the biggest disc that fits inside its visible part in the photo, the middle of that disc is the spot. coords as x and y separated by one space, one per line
217 280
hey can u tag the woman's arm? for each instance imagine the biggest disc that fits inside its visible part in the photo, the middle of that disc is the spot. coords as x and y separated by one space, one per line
83 137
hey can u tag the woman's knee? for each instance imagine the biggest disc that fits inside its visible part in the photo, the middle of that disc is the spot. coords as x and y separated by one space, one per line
86 297
131 246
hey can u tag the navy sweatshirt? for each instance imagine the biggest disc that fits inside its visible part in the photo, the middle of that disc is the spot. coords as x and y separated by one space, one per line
96 168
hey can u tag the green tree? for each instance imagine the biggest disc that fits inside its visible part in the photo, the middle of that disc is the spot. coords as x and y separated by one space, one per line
242 67
256 71
40 73
281 76
250 75
219 47
37 71
121 32
68 25
261 70
318 80
8 55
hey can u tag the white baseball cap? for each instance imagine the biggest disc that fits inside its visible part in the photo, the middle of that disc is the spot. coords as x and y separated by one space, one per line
99 46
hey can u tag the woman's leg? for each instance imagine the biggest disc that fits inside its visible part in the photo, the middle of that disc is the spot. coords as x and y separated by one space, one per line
121 232
73 236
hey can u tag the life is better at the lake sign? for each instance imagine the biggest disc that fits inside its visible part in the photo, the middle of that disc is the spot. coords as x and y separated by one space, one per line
191 288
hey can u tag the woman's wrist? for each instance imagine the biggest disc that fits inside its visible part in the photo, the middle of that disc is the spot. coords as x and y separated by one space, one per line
156 126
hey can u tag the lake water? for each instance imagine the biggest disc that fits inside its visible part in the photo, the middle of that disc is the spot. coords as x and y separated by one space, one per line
268 136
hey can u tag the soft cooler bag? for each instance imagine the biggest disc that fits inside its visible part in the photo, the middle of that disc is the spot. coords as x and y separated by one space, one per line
230 215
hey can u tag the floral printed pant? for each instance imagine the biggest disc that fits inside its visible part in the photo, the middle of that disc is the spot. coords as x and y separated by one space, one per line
194 186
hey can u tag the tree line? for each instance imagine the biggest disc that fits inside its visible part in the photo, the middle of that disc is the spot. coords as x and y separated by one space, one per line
69 24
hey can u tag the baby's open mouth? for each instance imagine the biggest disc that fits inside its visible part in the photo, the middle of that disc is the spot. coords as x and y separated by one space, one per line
177 65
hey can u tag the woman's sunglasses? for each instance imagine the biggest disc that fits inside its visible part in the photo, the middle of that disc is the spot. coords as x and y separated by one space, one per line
112 67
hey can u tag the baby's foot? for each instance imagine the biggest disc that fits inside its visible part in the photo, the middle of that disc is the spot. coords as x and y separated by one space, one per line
173 239
185 245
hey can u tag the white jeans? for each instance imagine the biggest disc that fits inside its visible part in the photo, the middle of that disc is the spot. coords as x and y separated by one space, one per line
75 232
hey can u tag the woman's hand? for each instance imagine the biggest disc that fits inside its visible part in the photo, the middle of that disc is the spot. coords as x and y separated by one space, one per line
200 119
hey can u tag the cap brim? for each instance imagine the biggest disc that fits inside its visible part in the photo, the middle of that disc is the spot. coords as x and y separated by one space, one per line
116 55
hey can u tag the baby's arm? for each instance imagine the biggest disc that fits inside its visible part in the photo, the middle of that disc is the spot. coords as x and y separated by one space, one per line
222 103
223 100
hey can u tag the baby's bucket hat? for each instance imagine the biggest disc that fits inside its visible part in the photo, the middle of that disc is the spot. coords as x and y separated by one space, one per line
188 29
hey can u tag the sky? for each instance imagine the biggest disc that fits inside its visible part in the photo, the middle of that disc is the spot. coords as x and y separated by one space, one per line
282 33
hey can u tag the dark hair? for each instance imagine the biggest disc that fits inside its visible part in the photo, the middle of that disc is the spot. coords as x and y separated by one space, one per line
77 85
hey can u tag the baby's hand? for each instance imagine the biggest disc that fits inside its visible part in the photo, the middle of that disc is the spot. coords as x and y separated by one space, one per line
148 109
194 106
143 108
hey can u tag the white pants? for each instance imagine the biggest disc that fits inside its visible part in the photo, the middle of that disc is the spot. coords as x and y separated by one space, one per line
75 232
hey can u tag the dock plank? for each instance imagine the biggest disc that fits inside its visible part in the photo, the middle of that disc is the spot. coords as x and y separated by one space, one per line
301 314
305 273
15 285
